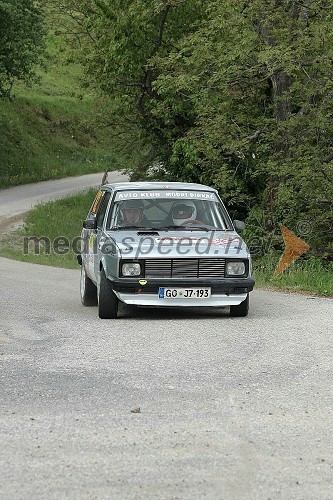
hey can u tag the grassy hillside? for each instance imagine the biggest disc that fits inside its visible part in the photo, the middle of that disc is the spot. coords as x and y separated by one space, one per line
50 130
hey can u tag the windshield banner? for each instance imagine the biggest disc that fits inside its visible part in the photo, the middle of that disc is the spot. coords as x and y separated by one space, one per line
172 195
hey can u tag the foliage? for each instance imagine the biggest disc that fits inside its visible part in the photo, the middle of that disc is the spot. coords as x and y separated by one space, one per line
231 93
21 42
117 42
259 77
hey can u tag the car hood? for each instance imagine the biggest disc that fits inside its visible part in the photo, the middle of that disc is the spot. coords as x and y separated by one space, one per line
181 244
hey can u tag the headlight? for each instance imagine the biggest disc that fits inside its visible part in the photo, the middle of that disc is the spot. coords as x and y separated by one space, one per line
131 269
235 268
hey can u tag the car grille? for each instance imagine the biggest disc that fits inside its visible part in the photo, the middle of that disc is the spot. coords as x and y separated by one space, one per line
184 268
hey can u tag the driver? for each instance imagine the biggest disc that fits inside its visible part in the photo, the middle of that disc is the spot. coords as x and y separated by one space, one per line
131 212
182 212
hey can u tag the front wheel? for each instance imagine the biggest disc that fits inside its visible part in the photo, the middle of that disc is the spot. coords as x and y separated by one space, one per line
87 289
241 310
107 300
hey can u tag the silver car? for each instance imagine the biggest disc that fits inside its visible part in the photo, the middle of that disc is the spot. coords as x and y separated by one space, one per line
163 244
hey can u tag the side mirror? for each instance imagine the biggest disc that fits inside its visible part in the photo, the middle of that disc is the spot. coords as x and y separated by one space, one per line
239 225
90 224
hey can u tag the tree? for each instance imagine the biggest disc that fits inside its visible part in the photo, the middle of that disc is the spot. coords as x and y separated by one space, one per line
21 42
259 77
232 93
120 43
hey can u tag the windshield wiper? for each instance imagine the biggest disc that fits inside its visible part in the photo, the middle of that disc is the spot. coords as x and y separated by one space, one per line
117 228
195 228
183 228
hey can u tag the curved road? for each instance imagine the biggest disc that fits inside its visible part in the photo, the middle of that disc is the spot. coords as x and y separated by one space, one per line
230 408
20 199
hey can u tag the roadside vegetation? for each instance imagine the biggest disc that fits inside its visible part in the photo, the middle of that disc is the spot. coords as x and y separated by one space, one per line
48 122
307 274
49 137
237 95
50 221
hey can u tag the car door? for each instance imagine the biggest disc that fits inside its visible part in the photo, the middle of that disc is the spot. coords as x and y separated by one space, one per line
100 217
88 236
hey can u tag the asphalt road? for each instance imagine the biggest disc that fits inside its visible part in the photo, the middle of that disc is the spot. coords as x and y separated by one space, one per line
230 408
20 199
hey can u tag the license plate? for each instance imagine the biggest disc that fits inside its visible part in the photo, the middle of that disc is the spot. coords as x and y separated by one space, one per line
184 293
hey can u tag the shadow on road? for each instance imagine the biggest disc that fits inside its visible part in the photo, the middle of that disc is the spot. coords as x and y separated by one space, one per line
158 313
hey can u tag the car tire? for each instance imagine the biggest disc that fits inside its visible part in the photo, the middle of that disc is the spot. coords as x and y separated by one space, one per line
88 289
241 310
107 300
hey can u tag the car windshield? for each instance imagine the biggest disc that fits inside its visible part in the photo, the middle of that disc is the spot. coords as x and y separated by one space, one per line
167 209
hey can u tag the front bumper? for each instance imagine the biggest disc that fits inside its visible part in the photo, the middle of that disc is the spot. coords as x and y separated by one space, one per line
224 292
146 299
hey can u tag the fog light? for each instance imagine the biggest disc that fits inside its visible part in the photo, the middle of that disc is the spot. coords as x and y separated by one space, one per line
131 269
236 268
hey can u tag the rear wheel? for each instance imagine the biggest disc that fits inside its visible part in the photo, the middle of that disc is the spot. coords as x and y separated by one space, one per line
87 289
107 300
241 310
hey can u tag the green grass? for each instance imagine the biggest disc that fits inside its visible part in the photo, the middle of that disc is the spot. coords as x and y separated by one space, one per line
51 220
304 275
65 217
40 140
50 130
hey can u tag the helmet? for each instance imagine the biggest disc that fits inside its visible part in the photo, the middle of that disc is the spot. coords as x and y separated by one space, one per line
182 212
131 211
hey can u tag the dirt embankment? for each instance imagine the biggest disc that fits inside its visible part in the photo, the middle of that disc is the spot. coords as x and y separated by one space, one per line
9 224
8 227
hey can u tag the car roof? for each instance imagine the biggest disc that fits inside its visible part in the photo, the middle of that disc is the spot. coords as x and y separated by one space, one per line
126 186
